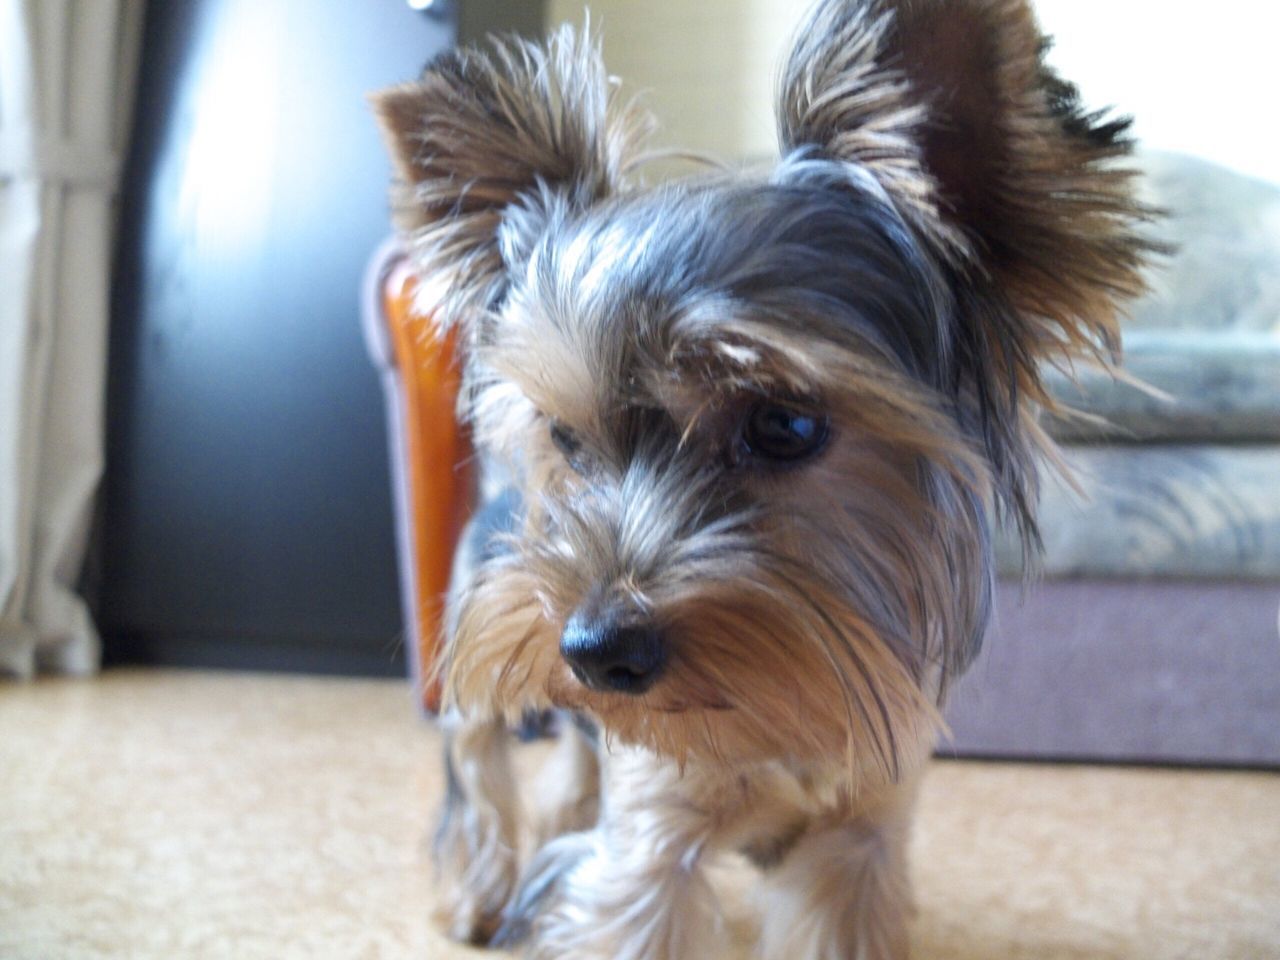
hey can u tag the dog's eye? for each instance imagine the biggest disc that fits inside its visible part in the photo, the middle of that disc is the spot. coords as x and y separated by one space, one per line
783 434
565 441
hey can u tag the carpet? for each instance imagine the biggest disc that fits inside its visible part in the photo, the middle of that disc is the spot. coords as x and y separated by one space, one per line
168 814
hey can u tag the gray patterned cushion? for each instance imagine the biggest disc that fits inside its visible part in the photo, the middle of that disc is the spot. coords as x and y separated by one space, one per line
1162 511
1208 334
1218 386
1187 485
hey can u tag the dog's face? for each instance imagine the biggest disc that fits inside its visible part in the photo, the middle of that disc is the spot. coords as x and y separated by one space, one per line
752 524
757 423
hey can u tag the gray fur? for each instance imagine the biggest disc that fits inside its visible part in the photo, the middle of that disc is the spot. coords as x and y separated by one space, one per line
655 279
943 220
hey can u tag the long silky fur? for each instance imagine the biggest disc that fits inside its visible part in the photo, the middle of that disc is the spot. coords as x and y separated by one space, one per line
1001 170
482 142
944 219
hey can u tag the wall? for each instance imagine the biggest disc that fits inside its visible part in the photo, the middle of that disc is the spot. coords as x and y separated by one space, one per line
1198 80
706 68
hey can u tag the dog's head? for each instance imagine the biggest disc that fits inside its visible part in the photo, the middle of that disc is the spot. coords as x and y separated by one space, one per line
758 422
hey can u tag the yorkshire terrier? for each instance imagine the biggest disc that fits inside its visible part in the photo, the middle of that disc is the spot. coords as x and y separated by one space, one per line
746 439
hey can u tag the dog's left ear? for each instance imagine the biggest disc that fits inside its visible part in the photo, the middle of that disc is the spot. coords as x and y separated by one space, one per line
487 145
950 104
988 154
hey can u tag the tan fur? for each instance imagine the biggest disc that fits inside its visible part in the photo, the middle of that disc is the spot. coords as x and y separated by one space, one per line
636 885
732 696
843 890
950 104
469 141
944 220
566 793
475 848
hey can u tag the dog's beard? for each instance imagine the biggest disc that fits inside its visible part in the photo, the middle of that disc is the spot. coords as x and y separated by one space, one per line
768 662
812 614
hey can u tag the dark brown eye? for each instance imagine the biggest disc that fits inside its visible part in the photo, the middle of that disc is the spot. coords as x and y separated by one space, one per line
565 441
782 434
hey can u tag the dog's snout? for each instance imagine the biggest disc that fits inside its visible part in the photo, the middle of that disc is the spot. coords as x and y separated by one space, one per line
611 656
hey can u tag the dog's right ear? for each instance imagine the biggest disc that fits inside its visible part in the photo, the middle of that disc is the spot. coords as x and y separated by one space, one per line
486 146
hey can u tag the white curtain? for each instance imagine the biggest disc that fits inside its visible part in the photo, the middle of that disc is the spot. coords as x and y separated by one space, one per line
67 71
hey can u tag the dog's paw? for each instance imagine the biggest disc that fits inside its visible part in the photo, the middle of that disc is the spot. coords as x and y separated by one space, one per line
566 794
471 895
540 887
476 872
839 893
466 918
581 901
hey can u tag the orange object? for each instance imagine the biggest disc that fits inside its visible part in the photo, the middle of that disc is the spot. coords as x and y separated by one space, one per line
438 453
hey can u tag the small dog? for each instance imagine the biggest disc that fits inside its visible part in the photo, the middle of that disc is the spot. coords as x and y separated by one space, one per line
752 430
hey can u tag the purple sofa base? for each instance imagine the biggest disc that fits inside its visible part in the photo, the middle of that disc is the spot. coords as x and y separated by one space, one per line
1183 672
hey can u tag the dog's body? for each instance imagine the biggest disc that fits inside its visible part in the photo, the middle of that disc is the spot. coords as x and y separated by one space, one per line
754 429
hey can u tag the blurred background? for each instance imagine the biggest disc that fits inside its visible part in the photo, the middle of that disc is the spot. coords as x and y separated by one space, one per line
196 450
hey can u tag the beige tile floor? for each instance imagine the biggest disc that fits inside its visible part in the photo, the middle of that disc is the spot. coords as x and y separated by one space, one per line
176 815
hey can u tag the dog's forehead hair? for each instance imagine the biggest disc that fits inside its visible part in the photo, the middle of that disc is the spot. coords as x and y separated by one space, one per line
662 300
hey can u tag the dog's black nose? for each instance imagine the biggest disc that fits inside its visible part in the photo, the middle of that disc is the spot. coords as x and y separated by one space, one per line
610 656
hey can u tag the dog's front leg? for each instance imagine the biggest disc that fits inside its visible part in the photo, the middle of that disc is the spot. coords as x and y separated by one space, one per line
842 892
475 844
633 887
566 794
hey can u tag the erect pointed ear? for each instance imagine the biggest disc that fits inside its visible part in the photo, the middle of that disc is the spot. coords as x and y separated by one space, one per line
949 104
484 145
989 156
